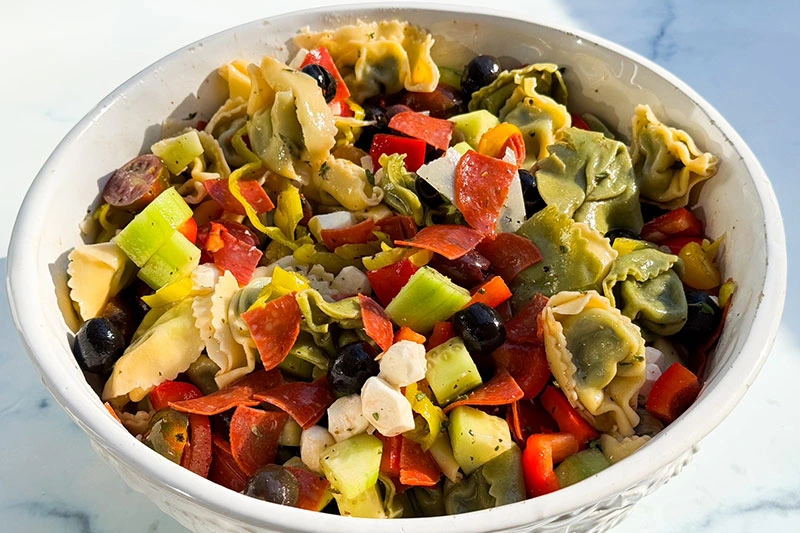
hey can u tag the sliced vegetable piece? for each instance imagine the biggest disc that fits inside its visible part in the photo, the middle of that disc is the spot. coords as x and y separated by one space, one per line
450 240
567 418
540 454
356 234
472 126
677 223
441 296
314 493
390 457
239 393
676 244
238 256
377 325
527 364
503 136
320 56
442 332
510 254
397 227
523 328
427 434
387 144
492 293
481 188
254 437
477 437
417 467
407 334
189 230
173 261
434 131
699 270
527 417
387 281
580 466
451 371
673 393
178 152
172 391
305 402
500 390
220 191
352 465
274 328
136 183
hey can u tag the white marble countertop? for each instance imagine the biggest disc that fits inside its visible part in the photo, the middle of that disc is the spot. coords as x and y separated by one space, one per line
60 58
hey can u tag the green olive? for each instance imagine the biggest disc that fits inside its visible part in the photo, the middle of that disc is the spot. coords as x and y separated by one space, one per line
168 433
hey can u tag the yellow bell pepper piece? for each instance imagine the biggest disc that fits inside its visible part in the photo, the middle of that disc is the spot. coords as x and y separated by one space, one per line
169 293
433 415
700 272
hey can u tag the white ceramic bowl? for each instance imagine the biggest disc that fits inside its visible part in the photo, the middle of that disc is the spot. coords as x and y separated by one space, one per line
603 78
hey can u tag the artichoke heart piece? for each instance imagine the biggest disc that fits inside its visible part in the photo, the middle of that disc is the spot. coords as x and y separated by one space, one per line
162 352
96 273
597 357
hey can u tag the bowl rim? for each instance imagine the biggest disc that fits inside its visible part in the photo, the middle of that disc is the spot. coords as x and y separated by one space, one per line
667 447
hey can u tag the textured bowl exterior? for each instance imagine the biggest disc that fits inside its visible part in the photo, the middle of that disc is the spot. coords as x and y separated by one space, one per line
603 78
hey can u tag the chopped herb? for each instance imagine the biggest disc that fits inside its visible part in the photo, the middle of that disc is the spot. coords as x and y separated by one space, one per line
323 170
370 176
496 448
376 416
420 396
256 431
471 434
191 115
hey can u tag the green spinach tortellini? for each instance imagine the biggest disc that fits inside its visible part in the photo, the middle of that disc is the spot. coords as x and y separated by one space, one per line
589 177
532 98
667 161
644 284
574 257
498 482
597 356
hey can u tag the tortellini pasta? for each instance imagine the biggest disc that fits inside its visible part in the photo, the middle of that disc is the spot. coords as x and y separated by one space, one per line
531 98
291 129
644 284
574 257
597 356
617 449
667 161
379 57
342 182
589 177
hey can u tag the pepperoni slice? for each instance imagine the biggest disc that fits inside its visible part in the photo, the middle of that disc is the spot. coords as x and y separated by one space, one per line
254 437
527 365
224 470
237 256
377 325
481 187
510 254
523 328
274 328
313 489
238 393
397 227
251 190
305 402
355 234
434 131
417 467
449 240
502 389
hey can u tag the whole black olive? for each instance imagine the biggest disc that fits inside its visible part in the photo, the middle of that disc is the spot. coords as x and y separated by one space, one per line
98 345
467 271
615 233
530 193
352 365
427 193
324 79
373 111
480 327
273 483
479 72
650 211
702 319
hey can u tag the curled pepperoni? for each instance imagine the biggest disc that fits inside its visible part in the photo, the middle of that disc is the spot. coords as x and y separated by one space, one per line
224 470
235 255
449 240
417 467
254 437
397 227
238 393
251 190
305 402
527 365
355 234
510 254
434 131
274 328
481 187
502 389
377 325
523 328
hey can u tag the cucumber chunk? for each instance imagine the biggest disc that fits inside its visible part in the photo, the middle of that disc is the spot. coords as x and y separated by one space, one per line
368 504
580 466
473 125
178 152
451 371
352 465
427 298
477 437
174 260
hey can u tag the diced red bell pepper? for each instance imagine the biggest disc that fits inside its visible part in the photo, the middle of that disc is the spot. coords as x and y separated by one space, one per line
189 230
252 191
675 244
434 131
673 393
390 457
442 332
172 391
677 223
541 453
387 281
578 122
527 417
405 333
377 325
449 240
355 234
567 418
417 467
510 254
384 143
527 364
481 188
500 390
397 227
493 292
320 56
